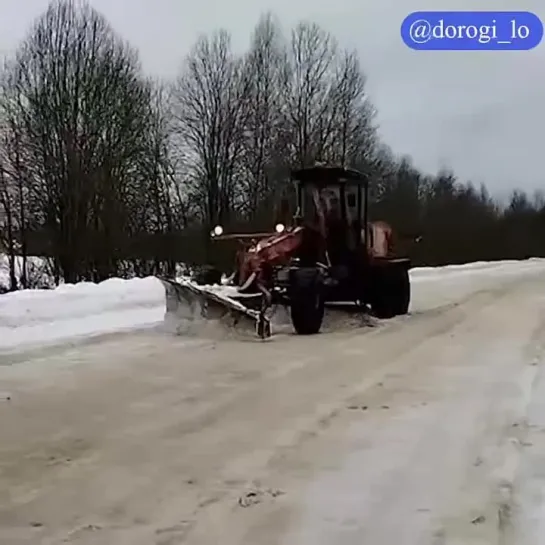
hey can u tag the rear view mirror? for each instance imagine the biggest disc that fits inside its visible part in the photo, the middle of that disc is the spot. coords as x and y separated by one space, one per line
351 200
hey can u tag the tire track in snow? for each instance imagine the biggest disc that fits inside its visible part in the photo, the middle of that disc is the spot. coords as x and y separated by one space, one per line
414 336
175 437
527 513
450 483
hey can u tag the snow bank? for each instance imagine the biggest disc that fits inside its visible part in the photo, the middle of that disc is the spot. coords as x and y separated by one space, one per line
501 267
39 317
34 317
40 273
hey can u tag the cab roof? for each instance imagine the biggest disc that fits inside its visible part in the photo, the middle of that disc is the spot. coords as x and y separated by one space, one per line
329 175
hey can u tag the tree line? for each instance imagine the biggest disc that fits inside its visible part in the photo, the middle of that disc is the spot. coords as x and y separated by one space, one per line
108 172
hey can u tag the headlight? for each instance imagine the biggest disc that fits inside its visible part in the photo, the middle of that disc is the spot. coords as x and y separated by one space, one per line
217 231
280 227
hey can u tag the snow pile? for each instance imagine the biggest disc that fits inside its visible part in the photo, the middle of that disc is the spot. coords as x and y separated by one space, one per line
40 273
478 267
38 317
33 317
435 287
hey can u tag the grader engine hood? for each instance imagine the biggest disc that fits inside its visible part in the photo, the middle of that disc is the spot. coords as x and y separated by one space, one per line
273 250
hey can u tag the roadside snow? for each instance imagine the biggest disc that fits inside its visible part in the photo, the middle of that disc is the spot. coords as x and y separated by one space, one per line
458 457
41 317
34 317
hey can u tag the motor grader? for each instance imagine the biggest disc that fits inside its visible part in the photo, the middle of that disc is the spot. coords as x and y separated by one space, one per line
328 252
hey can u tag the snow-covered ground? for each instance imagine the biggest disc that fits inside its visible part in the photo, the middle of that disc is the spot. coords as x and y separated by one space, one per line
35 317
426 430
49 316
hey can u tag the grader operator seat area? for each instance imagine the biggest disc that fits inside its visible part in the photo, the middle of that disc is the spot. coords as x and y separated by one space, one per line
331 200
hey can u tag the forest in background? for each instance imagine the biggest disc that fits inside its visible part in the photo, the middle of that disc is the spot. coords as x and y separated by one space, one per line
108 172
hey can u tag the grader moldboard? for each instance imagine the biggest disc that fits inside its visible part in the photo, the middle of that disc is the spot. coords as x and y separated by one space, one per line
330 252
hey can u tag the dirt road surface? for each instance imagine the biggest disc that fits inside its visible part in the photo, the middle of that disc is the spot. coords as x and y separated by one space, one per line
425 430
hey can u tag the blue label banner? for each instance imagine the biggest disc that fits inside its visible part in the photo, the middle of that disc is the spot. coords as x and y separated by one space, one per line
472 30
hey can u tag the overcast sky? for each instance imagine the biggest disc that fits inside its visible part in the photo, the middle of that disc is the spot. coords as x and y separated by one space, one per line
482 114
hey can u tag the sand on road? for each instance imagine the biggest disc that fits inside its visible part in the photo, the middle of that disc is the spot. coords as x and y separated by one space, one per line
424 430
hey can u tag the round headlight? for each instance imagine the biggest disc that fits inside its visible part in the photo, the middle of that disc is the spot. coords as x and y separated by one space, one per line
280 227
218 230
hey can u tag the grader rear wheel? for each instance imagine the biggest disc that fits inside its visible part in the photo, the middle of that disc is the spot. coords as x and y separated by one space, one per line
403 290
391 291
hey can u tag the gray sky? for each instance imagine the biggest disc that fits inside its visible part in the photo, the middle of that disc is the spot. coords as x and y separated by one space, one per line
480 113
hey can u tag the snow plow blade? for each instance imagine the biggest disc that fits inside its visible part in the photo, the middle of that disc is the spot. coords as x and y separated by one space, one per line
187 304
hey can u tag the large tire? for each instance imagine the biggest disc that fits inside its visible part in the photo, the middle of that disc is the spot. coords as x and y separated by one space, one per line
391 291
403 291
307 309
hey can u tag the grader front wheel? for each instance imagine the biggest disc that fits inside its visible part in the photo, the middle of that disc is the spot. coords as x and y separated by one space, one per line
307 310
306 300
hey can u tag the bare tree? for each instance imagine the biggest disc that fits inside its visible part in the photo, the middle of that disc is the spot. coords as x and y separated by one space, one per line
354 137
110 166
210 98
15 203
75 96
7 227
306 90
264 154
328 116
159 203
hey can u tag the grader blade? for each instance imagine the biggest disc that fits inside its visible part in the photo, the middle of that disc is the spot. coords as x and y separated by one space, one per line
189 305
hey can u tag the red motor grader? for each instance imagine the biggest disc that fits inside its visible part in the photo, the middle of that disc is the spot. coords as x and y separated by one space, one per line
328 252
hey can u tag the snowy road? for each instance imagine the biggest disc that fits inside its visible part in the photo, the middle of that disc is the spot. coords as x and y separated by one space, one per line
426 430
